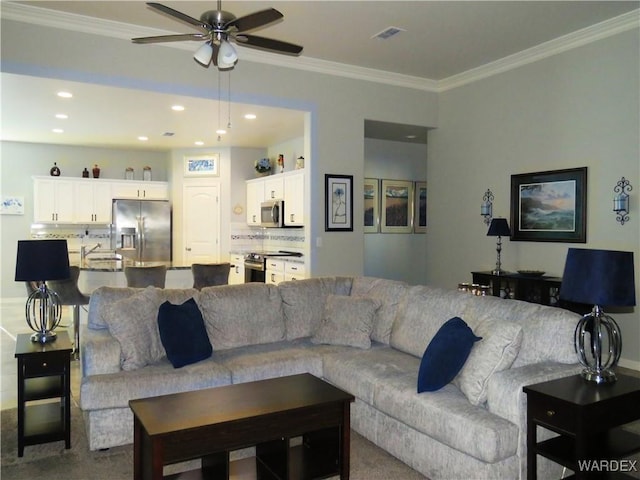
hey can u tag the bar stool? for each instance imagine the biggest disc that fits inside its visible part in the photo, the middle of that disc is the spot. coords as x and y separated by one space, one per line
141 277
210 274
70 294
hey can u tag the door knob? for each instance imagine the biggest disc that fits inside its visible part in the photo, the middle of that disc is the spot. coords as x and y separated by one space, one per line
188 249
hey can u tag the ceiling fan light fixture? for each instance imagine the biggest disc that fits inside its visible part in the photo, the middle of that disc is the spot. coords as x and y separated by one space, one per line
227 55
203 54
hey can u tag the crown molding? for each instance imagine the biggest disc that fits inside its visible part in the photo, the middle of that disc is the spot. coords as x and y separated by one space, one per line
613 26
108 28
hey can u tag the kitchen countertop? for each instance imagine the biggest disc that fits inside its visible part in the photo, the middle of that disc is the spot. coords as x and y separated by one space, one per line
118 265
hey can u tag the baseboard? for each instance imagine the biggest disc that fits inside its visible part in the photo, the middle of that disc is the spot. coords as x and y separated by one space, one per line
629 364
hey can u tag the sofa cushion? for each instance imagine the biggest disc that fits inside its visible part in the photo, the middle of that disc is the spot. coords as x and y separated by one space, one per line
183 333
133 321
547 332
389 293
495 352
347 321
303 302
239 315
101 298
445 355
421 314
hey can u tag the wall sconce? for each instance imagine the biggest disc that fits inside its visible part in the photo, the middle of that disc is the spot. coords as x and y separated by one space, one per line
486 209
621 200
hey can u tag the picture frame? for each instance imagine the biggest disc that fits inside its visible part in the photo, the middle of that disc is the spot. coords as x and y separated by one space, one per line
549 206
338 193
396 214
371 205
420 207
11 205
202 165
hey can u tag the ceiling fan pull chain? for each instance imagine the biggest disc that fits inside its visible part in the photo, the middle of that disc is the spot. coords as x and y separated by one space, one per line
229 101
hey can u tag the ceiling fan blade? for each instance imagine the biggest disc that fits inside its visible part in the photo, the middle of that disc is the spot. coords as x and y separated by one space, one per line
171 38
270 44
255 20
205 27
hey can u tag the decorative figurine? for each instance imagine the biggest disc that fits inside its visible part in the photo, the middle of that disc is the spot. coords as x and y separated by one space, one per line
85 173
55 171
300 163
281 163
96 171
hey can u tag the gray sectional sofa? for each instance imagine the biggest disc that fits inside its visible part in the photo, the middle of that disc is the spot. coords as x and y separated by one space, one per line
364 335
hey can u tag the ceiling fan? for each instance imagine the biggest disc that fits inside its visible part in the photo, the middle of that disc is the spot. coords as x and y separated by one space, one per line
217 28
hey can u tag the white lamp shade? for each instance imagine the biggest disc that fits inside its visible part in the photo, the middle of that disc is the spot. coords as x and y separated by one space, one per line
203 54
227 56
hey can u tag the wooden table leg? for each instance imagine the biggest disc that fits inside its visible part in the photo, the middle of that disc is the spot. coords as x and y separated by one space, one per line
532 469
137 447
345 443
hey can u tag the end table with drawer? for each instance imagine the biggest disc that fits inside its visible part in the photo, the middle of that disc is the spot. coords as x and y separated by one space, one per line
44 373
588 418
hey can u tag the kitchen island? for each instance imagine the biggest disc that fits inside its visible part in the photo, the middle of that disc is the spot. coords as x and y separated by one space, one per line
96 273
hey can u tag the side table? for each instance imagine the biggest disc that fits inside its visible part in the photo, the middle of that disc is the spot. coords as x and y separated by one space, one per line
587 417
44 372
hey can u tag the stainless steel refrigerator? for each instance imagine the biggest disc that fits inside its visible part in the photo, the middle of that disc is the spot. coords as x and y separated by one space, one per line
141 229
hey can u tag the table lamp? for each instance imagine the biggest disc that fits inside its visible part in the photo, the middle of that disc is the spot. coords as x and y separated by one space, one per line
38 261
599 278
499 228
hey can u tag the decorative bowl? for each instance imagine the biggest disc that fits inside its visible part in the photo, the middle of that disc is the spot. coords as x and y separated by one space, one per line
531 273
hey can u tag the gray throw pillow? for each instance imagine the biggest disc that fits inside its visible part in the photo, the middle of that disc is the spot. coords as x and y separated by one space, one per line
133 321
347 321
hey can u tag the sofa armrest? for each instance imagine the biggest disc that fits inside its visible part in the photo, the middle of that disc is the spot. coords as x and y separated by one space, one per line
100 352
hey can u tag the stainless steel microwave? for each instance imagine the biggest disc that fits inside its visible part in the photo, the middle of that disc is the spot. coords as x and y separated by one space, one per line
272 214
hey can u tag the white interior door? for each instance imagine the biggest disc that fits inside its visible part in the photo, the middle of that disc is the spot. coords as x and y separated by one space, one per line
201 224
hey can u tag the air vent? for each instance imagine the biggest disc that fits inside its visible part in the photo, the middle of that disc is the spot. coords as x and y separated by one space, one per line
168 134
388 33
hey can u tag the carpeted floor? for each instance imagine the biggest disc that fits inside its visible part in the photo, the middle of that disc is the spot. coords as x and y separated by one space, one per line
52 462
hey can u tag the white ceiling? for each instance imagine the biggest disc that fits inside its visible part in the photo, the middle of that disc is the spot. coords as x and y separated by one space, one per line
441 42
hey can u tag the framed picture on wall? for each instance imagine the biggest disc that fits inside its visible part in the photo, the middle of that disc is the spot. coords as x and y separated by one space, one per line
202 165
549 206
420 207
338 192
371 205
397 206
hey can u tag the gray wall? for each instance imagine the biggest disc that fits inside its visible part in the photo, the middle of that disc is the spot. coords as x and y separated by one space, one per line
579 108
397 256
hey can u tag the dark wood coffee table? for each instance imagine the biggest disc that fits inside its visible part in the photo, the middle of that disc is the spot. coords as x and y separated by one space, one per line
210 423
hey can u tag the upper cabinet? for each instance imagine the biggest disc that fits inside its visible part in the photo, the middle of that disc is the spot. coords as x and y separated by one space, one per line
288 186
53 200
83 200
140 190
93 203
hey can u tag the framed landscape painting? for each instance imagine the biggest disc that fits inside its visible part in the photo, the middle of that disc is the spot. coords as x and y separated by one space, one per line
338 191
420 207
397 206
549 206
371 205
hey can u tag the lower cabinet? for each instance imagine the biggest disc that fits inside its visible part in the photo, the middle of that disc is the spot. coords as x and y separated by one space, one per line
236 274
283 271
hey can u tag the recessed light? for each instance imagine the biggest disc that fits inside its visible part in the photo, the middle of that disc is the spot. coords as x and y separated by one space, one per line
411 136
62 116
221 131
57 130
199 143
143 138
65 94
250 116
177 108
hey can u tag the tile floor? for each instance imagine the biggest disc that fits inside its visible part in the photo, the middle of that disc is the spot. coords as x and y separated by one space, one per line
12 322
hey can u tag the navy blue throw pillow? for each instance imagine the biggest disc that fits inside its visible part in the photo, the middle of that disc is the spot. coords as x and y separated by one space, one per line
445 355
183 333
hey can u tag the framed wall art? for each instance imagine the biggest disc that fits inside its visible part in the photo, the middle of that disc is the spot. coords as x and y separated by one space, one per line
338 192
549 206
202 165
420 207
396 214
371 205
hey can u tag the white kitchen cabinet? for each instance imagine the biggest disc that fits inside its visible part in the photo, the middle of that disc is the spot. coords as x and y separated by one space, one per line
294 198
92 201
274 187
140 190
255 196
53 200
294 271
275 271
236 274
